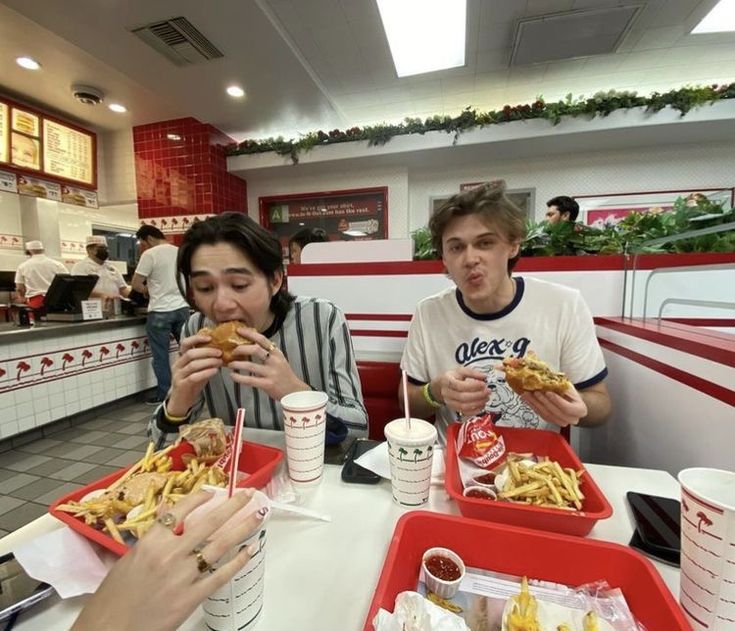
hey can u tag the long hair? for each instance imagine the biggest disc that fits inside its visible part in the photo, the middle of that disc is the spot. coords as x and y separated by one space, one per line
260 246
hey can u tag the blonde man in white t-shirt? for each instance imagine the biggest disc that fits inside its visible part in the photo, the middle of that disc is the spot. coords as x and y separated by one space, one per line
33 277
459 337
167 308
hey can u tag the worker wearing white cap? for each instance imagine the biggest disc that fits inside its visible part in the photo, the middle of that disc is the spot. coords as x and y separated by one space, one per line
33 277
110 283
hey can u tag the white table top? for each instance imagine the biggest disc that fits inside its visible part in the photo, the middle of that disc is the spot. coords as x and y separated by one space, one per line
322 575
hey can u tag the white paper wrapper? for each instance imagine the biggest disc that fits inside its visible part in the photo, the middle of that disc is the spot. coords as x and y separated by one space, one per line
551 616
64 560
414 613
376 460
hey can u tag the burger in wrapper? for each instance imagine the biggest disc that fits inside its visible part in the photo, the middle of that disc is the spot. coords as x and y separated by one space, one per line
208 438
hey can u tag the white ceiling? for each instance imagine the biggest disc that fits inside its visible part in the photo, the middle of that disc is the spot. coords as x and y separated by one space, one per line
309 64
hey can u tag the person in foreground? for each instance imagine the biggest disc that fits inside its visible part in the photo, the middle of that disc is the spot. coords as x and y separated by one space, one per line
167 566
232 270
459 337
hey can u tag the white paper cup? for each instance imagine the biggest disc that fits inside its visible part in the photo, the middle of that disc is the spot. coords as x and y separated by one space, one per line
305 425
238 605
410 454
707 592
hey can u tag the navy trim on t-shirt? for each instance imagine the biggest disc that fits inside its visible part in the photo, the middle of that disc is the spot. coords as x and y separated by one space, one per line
592 380
415 382
520 288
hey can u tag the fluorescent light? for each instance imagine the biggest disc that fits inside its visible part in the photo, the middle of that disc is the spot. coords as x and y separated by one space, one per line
720 19
236 91
173 136
116 107
424 35
28 63
355 233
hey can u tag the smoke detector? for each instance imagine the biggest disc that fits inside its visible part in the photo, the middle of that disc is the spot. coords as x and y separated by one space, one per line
87 94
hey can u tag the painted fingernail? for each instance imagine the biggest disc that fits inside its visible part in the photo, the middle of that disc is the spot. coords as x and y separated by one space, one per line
261 512
252 549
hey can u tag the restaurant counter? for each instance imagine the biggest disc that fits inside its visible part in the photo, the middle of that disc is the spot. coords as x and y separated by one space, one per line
56 369
322 575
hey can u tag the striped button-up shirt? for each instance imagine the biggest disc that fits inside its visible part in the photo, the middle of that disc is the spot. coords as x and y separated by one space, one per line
315 340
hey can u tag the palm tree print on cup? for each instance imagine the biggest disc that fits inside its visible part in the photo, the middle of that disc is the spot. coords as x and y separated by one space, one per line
401 452
416 454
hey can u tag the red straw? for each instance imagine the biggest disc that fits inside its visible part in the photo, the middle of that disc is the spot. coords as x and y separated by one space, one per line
406 409
236 447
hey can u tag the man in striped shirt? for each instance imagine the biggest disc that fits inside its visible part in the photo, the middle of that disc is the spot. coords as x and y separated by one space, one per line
232 270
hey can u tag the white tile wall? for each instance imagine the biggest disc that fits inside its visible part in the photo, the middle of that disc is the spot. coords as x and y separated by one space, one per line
68 393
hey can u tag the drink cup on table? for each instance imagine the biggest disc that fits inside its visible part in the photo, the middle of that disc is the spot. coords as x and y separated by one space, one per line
411 452
707 588
305 424
238 604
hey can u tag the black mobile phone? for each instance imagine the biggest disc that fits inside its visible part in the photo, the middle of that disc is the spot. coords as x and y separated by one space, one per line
18 591
352 472
658 526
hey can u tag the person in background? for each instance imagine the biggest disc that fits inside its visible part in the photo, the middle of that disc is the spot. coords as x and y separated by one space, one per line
231 268
562 208
306 235
110 283
459 337
155 275
166 565
33 277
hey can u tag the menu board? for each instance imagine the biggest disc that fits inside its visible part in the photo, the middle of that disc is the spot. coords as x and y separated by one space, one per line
67 153
32 142
3 132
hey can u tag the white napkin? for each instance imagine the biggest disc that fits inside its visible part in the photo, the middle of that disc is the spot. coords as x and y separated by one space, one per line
63 559
414 613
376 460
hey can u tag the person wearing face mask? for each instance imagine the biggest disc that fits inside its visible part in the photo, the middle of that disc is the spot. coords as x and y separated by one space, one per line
110 283
231 269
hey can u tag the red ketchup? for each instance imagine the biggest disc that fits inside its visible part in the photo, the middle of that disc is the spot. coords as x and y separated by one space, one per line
487 478
480 494
443 568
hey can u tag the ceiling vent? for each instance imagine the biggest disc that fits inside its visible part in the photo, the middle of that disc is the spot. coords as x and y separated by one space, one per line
178 40
573 34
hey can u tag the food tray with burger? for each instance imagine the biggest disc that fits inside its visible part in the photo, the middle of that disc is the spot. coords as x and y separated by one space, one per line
118 509
542 557
533 478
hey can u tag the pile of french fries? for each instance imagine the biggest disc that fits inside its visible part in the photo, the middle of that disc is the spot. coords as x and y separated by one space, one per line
544 483
115 513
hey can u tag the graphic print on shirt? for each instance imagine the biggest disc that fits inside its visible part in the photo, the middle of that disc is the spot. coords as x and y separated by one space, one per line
481 354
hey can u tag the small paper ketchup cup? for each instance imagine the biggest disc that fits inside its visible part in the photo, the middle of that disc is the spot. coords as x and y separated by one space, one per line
480 492
444 571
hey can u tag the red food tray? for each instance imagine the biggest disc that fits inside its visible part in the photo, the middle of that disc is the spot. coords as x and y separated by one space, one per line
259 461
523 552
540 443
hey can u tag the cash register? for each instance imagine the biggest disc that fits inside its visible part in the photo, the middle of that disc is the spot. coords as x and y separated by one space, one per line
64 297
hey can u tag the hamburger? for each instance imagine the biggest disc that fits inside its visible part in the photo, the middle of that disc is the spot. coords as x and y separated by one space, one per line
529 373
226 338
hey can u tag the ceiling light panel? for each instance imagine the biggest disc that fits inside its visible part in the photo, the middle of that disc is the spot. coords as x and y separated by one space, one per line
425 35
721 19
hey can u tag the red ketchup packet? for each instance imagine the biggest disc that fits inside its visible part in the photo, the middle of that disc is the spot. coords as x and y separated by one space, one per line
479 443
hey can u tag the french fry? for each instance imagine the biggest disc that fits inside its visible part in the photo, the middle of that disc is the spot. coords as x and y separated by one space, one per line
112 529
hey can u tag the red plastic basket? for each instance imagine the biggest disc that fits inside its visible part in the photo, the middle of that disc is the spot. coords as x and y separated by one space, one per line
523 552
541 443
259 461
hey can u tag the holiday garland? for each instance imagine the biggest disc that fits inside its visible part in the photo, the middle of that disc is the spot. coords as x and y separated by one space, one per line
600 104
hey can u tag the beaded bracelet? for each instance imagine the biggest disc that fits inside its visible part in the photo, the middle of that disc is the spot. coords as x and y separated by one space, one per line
429 397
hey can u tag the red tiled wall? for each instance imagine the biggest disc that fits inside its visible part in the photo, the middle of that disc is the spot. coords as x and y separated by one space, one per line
185 175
